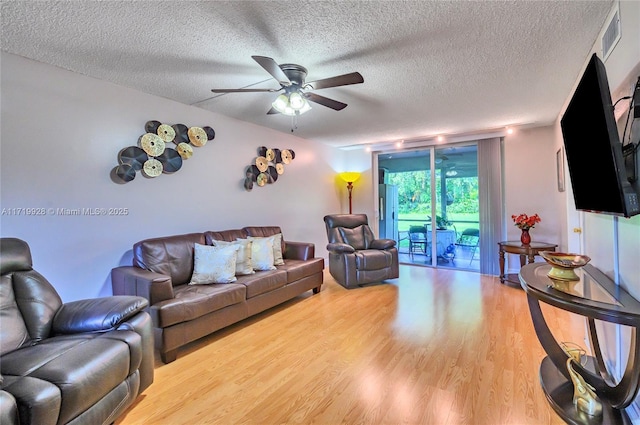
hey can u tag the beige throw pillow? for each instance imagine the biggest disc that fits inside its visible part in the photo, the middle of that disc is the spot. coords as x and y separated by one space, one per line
213 264
262 254
276 240
243 259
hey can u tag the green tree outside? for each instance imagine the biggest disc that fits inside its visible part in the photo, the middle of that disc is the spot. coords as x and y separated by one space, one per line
414 199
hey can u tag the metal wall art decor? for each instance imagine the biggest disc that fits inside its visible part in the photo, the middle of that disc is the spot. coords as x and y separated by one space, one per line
154 156
268 165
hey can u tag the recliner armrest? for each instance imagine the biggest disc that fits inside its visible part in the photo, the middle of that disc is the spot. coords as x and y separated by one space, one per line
340 248
96 314
382 244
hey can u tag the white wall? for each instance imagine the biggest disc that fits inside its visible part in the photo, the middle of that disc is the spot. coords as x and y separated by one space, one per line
531 187
612 243
60 137
598 231
363 196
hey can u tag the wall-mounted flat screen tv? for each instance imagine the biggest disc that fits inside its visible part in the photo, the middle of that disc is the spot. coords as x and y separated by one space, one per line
593 148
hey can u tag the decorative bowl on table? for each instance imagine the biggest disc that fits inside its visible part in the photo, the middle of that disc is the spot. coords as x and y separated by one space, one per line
563 265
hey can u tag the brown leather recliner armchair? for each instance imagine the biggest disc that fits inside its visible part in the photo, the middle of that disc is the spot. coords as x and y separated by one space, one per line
81 362
356 257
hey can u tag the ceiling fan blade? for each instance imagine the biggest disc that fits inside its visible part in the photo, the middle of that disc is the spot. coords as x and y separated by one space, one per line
273 68
272 111
325 101
340 80
244 90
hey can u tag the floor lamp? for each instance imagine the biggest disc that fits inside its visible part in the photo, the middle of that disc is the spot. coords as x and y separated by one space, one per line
350 177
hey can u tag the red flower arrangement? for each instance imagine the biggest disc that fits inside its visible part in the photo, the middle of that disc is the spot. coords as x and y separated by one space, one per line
525 222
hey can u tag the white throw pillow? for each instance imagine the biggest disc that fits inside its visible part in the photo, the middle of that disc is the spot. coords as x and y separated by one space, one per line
213 264
277 247
262 254
243 259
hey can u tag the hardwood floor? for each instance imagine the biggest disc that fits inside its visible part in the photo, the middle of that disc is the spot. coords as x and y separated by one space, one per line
435 346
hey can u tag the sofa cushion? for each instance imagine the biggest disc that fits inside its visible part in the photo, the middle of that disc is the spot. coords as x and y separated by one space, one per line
13 332
373 259
243 258
82 368
41 397
29 286
297 269
193 301
263 281
169 255
214 264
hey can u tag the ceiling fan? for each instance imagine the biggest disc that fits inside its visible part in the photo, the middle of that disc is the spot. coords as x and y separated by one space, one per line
296 91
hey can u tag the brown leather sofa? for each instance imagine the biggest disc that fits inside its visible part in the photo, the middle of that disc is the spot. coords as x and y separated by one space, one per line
81 362
356 257
182 313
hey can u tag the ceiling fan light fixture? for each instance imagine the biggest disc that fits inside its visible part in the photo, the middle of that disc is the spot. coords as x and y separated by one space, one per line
296 100
289 111
291 104
281 103
306 106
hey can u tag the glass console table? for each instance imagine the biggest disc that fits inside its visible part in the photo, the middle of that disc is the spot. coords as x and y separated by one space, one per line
594 296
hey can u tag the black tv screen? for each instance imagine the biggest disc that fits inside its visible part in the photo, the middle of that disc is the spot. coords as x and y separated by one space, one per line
593 148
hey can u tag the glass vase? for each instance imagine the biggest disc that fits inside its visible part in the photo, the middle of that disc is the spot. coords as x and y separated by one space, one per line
525 237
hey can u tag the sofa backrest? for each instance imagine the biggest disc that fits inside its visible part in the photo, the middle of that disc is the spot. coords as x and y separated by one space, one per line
264 231
173 255
169 255
28 302
232 235
224 235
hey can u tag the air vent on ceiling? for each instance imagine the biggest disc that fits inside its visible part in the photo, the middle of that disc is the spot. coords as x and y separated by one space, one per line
611 35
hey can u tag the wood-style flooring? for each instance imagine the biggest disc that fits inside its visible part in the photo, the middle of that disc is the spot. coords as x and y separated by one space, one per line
436 346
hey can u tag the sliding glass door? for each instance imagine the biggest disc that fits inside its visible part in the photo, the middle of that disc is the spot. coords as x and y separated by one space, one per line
458 207
437 200
407 176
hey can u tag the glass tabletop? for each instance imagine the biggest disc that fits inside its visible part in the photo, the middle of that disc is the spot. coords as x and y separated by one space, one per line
533 244
594 295
587 287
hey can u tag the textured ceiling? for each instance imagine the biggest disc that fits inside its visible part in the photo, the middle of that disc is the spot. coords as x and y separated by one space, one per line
429 67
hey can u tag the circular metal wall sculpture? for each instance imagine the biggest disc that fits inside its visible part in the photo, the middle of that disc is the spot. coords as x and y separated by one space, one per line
154 154
267 166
